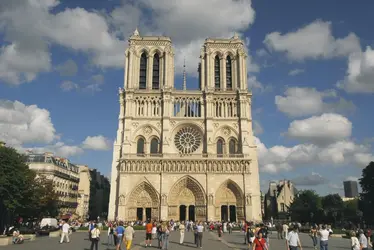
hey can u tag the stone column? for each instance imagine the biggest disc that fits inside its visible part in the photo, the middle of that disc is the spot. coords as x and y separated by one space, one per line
202 74
126 69
208 71
223 73
149 71
228 212
130 60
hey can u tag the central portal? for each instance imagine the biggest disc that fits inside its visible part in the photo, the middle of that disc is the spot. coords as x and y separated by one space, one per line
182 213
186 213
191 213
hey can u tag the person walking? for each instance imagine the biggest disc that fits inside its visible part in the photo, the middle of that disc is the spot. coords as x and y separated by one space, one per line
285 229
293 240
354 241
110 235
259 243
313 235
128 236
95 237
120 230
363 240
65 232
182 230
200 230
165 228
324 238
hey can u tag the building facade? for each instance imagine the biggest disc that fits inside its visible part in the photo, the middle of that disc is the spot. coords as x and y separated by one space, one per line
350 189
278 199
65 177
185 154
94 190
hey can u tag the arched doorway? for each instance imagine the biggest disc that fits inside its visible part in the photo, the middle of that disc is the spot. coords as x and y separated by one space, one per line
187 200
143 203
230 201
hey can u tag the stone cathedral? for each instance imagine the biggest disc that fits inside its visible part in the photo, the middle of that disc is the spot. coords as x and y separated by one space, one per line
185 154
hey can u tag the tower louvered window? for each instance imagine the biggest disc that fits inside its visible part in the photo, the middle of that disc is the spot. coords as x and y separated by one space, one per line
143 72
156 72
217 73
228 73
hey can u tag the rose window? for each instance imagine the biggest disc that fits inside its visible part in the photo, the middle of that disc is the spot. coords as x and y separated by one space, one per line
187 140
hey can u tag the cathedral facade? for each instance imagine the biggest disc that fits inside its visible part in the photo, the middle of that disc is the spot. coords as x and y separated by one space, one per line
185 154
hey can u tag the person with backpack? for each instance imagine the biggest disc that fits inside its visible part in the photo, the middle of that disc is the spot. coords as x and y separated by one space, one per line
110 235
249 236
119 232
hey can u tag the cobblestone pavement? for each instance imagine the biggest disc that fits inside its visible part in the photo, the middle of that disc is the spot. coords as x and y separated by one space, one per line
234 241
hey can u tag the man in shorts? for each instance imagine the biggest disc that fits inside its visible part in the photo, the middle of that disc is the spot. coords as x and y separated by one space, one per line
148 234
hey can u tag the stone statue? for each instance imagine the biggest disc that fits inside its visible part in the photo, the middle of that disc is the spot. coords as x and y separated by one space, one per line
164 200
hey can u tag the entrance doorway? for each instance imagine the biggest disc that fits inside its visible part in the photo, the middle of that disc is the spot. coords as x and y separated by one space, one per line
191 213
232 211
139 213
148 213
182 213
224 214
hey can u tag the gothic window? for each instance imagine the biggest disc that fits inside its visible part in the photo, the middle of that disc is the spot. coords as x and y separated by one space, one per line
156 72
217 73
154 146
140 146
228 73
220 148
233 147
143 71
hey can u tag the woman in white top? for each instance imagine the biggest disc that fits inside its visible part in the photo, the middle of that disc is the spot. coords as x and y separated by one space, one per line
95 237
354 241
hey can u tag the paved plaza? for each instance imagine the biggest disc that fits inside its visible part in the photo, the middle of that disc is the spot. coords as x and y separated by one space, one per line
79 241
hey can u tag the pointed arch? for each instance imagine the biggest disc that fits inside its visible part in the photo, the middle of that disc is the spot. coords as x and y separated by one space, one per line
156 72
143 70
140 145
217 72
220 147
144 195
230 193
192 185
228 73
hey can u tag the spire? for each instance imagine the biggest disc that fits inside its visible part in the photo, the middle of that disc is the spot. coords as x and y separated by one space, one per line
235 36
136 32
184 75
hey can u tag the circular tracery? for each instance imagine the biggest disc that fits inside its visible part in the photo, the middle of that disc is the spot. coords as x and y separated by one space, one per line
187 140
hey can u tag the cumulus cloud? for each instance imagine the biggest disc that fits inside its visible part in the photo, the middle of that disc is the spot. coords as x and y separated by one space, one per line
298 102
321 130
360 73
312 41
313 179
31 26
257 128
59 149
281 158
96 143
20 124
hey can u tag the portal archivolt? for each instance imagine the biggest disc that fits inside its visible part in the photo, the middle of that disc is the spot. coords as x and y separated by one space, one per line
143 202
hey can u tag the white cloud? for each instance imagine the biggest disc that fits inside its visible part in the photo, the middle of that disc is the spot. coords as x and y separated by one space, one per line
68 68
309 101
321 130
59 149
170 19
360 73
30 27
312 41
68 86
343 153
96 143
20 124
295 72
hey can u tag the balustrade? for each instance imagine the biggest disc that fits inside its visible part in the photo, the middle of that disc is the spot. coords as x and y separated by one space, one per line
184 106
225 107
147 106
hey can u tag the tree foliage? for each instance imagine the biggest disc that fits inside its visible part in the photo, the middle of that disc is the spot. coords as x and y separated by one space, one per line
305 206
367 194
22 194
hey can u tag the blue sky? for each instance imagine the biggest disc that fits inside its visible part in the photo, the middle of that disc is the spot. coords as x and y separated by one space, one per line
310 68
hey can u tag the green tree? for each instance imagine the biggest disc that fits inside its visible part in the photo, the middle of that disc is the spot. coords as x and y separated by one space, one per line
350 210
306 206
16 182
367 194
22 192
333 206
